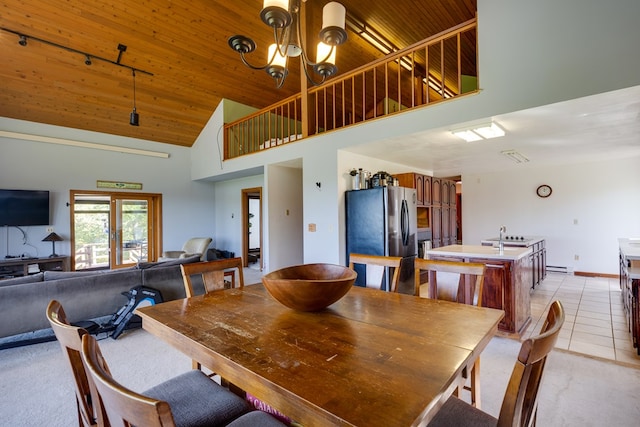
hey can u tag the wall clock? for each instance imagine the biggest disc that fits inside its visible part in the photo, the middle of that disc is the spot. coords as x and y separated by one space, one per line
544 191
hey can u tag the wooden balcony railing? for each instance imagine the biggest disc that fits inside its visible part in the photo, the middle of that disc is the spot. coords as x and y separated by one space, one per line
436 69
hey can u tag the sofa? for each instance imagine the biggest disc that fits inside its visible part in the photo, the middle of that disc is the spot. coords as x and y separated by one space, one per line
85 295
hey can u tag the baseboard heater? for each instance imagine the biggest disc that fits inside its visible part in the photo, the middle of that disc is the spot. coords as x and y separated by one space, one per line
557 269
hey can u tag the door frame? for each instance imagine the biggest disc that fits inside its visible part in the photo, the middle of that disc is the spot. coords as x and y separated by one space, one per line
155 219
250 193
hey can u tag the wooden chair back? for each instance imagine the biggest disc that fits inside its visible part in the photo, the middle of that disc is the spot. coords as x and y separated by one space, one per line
70 339
519 406
451 280
124 408
213 274
375 268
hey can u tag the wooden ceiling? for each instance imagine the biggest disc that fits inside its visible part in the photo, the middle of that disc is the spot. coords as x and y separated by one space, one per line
183 43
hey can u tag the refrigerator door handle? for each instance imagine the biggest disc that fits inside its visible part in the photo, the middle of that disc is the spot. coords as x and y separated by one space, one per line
404 218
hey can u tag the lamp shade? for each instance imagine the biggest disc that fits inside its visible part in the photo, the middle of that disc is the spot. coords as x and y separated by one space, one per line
326 53
333 15
278 59
52 237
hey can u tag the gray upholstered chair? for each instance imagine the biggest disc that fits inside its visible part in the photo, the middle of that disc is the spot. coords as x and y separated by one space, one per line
190 399
193 246
520 403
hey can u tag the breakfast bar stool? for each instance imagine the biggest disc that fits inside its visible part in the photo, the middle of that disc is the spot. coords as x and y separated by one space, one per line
375 268
457 282
520 403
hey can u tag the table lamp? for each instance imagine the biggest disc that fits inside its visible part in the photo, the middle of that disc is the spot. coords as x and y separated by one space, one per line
53 238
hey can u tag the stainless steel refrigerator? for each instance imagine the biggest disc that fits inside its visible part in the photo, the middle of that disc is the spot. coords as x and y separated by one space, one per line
382 221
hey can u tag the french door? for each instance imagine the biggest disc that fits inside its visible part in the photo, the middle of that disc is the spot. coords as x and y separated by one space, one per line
114 229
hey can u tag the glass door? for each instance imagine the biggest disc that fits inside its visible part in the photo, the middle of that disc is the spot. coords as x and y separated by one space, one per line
114 230
130 231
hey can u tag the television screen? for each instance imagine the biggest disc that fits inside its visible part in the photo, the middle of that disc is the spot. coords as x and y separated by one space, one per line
24 207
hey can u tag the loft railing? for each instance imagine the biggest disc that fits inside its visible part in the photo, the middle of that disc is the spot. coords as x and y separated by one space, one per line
436 69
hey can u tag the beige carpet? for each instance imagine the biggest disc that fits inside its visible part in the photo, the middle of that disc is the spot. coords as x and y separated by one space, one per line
36 389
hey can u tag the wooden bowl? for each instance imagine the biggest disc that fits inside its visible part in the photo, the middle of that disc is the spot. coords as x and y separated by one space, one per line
309 287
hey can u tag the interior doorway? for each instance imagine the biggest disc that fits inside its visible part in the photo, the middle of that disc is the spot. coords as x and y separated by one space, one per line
252 227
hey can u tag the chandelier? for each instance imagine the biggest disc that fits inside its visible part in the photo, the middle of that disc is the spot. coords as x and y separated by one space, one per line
284 17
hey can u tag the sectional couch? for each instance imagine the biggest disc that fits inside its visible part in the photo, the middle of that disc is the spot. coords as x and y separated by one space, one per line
84 295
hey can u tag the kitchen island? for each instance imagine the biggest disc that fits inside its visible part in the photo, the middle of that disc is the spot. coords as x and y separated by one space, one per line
630 285
507 280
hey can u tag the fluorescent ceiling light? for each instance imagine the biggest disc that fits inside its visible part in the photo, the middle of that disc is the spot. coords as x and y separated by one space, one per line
489 131
515 156
467 135
478 132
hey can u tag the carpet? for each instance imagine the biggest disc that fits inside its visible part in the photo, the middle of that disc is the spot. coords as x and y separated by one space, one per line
37 389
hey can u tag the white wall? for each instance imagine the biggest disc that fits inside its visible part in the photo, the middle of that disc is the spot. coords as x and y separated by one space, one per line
228 212
603 198
188 206
284 217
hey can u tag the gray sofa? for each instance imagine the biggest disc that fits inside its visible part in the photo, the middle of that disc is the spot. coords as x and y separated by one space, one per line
84 295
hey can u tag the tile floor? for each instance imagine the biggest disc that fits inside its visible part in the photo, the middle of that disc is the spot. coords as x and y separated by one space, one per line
595 322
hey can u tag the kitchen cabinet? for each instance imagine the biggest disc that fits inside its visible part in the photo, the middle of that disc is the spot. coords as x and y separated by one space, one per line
422 184
436 201
630 286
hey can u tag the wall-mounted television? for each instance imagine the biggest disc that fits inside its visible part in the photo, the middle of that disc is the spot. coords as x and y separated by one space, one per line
24 207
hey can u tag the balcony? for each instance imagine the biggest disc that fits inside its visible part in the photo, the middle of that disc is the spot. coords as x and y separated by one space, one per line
438 69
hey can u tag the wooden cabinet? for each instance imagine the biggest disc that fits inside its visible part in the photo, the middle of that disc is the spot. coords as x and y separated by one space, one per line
538 263
17 267
422 184
436 191
436 202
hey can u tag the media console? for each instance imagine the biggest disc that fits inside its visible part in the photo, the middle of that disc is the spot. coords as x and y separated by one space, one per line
17 267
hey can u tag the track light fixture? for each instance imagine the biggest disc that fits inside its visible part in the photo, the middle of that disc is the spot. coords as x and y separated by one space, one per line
284 17
88 60
134 118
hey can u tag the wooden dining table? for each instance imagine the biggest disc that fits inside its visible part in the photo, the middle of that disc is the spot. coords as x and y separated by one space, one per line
371 359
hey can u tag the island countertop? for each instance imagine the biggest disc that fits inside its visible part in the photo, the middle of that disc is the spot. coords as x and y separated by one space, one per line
474 251
630 247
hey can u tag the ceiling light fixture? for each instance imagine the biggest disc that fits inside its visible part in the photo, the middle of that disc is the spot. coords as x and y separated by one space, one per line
284 17
515 156
479 132
87 60
22 41
134 118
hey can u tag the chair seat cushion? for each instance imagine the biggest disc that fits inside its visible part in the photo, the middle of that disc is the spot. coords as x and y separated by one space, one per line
457 413
196 400
256 419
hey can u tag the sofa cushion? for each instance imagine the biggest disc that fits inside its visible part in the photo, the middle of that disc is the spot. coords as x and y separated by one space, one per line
31 278
56 275
163 264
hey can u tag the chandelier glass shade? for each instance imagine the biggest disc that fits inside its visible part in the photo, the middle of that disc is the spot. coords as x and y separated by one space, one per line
284 17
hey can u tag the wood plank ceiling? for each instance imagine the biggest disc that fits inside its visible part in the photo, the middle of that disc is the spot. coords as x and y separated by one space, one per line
184 44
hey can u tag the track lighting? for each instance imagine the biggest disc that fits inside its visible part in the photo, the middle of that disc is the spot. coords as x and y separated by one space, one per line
87 60
134 118
22 41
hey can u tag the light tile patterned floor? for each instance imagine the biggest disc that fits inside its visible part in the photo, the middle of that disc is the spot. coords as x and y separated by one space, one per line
595 322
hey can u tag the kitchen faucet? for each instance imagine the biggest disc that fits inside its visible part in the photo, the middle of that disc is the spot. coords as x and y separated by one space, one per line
503 229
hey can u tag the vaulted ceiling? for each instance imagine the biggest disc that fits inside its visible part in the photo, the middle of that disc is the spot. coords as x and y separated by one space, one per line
183 43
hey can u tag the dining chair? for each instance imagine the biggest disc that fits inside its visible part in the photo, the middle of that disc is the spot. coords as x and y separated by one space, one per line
212 274
520 402
190 399
457 282
70 339
375 268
